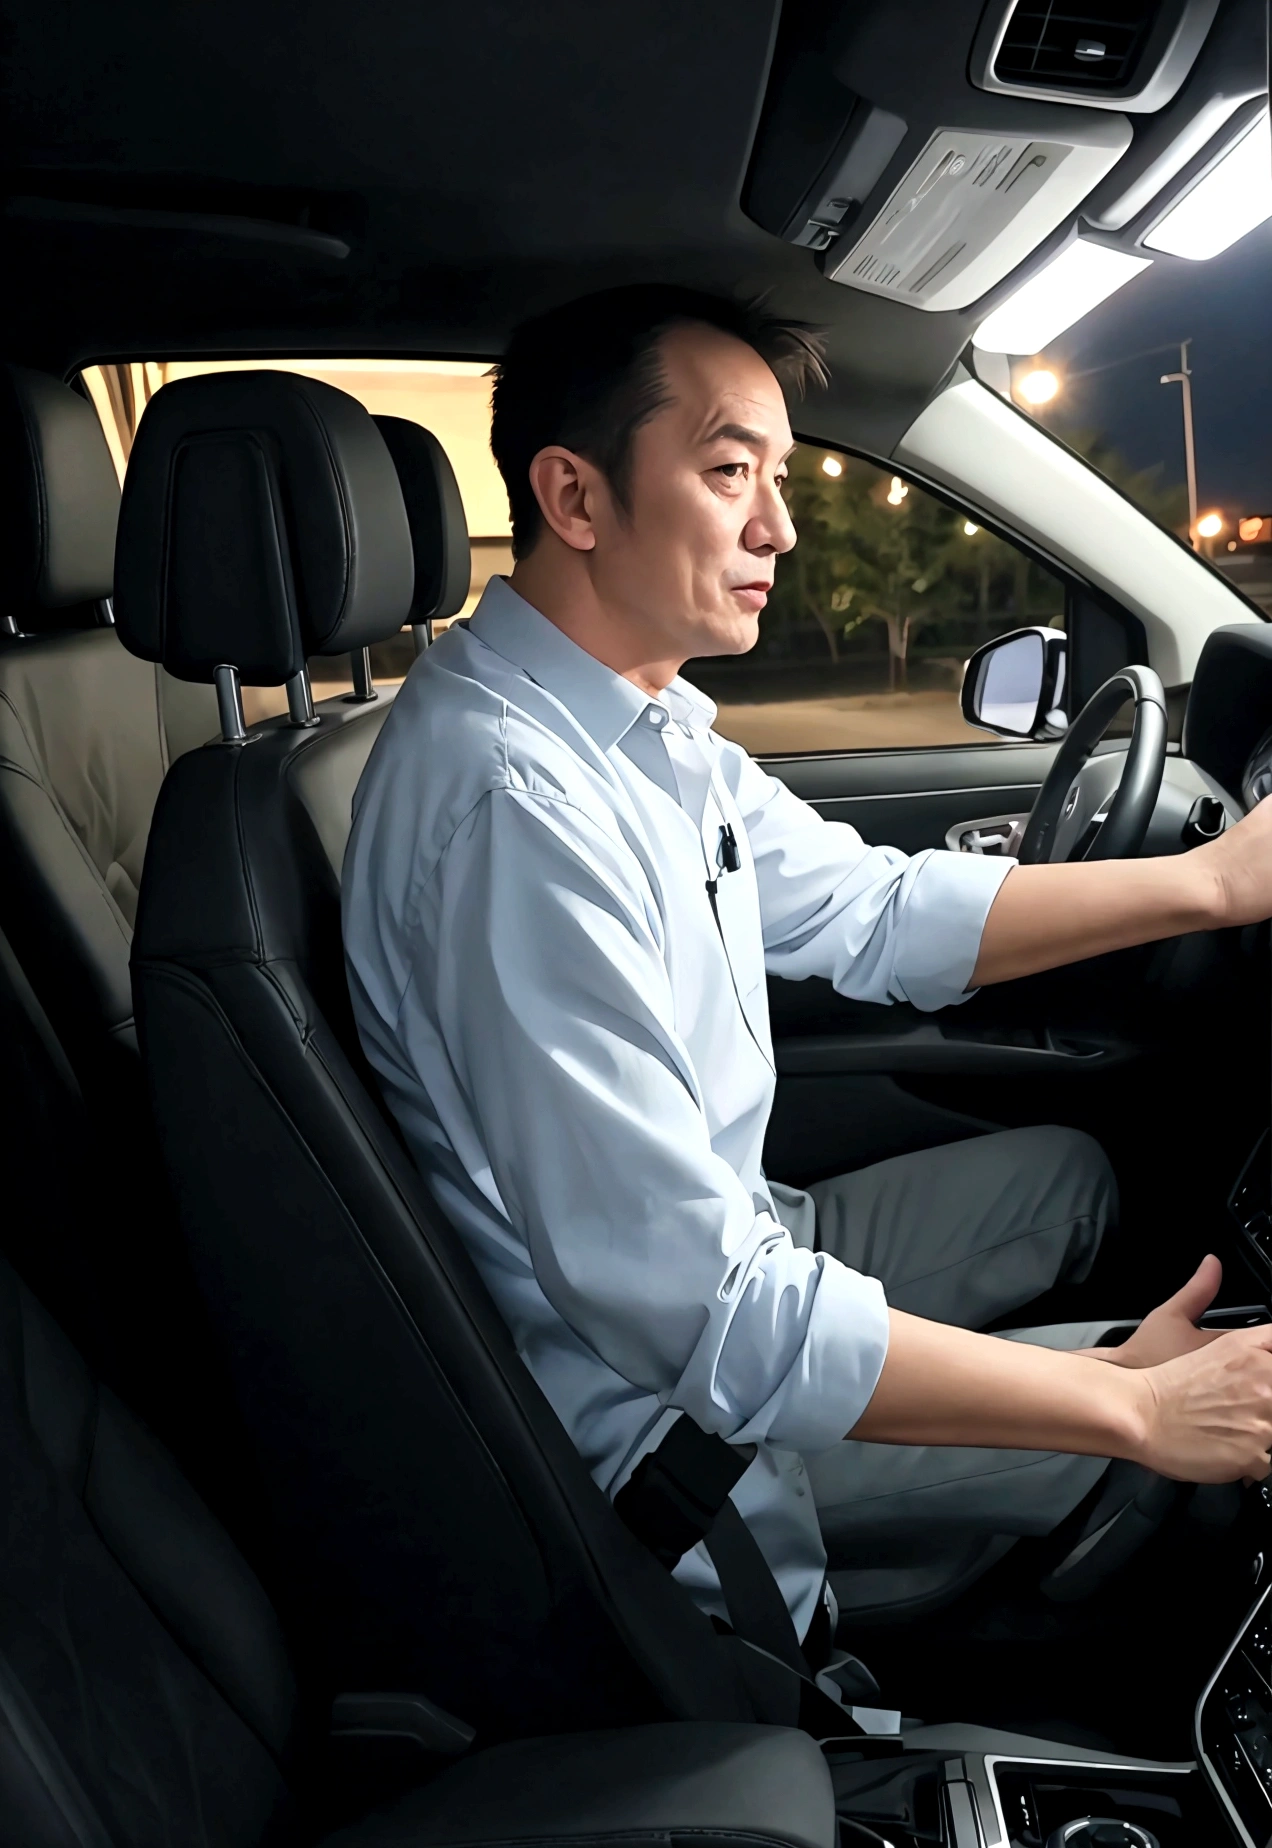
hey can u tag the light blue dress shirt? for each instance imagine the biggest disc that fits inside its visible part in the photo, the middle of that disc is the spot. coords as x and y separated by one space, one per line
579 1056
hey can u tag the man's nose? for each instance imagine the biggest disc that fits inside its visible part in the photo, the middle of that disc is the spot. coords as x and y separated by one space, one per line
770 528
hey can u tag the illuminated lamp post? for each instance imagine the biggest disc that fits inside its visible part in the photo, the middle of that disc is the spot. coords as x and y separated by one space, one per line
1183 378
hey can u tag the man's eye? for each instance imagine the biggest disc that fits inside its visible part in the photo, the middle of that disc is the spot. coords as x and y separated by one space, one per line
732 471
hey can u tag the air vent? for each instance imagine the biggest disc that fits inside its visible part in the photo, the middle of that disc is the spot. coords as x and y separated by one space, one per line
1073 48
1124 54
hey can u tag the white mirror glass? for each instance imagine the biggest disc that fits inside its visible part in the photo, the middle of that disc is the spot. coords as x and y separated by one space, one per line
1011 685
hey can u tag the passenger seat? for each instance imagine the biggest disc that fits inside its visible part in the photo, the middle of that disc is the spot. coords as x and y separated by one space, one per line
148 1696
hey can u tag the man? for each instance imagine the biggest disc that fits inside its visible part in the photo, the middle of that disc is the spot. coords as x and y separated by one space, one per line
562 892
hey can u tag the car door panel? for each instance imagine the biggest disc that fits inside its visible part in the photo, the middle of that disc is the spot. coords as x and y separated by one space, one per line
912 799
848 1070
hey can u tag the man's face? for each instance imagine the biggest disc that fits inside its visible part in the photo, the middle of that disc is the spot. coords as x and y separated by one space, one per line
691 559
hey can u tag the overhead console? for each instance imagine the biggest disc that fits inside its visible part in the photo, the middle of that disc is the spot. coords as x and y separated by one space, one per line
927 152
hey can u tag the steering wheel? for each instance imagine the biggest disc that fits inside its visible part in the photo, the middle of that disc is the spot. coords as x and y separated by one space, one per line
1082 791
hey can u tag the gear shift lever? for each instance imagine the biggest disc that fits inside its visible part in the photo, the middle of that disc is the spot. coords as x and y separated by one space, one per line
1101 1832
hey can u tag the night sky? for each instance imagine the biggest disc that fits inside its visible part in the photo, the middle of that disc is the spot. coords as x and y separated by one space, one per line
1225 304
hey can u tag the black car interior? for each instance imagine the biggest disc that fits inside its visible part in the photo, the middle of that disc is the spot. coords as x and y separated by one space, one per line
295 1548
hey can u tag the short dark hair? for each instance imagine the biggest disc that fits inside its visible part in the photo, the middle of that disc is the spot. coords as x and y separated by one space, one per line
587 375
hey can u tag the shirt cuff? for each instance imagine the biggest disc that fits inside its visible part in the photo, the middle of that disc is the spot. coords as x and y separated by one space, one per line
941 926
837 1368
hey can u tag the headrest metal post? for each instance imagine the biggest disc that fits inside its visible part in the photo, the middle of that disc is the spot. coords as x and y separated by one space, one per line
423 634
229 704
363 685
300 701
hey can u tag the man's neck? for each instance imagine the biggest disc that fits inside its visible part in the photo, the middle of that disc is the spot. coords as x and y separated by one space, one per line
569 601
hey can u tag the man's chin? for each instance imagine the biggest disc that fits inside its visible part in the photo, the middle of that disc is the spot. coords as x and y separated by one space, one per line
733 635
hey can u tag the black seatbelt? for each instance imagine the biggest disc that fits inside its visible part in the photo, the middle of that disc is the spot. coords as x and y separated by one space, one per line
757 1609
677 1496
675 1493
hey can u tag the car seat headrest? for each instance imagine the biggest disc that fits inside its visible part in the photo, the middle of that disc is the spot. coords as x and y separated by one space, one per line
439 531
262 521
59 496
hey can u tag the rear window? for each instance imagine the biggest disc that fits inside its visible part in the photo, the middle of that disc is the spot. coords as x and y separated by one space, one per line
449 397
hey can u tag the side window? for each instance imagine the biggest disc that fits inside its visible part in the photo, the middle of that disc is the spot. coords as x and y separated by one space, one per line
449 397
872 616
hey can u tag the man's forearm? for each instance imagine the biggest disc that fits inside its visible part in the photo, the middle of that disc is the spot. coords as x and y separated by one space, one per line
943 1385
1044 916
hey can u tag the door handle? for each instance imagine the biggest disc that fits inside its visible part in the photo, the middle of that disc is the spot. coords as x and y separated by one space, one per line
993 834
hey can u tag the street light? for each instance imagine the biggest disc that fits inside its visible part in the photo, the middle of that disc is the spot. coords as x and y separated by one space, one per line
970 528
1183 378
832 466
897 492
1038 386
1210 525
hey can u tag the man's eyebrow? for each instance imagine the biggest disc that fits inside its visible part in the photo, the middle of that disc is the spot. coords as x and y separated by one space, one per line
738 433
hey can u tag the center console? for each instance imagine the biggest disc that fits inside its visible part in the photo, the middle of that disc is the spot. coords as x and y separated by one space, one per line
967 1786
972 1787
1234 1728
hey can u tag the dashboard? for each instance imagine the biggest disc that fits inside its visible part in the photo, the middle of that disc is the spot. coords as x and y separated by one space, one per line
1227 730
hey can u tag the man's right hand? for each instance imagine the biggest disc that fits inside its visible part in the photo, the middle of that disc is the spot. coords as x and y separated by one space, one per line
1208 1415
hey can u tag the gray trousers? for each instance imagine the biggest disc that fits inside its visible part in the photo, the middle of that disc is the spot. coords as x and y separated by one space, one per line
963 1234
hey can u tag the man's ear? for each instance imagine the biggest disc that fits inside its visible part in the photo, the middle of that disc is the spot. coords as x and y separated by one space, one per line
566 488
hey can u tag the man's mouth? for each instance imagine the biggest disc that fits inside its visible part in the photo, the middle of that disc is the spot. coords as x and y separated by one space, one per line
754 596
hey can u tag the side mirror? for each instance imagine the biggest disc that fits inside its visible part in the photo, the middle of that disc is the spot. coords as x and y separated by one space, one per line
1013 686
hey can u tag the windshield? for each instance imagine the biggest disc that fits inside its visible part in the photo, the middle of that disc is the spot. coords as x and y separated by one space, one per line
1184 342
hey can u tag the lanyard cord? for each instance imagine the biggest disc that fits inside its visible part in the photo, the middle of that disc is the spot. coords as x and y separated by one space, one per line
731 862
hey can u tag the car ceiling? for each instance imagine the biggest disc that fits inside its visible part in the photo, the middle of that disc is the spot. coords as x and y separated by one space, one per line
478 160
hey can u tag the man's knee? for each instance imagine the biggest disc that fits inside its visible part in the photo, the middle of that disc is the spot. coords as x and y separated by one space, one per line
1080 1175
1075 1188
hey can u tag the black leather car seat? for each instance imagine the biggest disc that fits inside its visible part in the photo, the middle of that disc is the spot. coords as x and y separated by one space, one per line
87 733
148 1697
439 1527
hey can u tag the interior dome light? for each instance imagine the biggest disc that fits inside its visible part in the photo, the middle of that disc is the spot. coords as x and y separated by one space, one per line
1071 285
1234 197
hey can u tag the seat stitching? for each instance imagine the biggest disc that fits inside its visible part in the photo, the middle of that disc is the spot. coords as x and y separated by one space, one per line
50 796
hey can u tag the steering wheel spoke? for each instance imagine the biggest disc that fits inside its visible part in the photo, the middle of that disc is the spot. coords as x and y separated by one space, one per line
1099 808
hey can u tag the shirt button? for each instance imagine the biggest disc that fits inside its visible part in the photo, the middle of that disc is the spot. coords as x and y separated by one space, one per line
657 716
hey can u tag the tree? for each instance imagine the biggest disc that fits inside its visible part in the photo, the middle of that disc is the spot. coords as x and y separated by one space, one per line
869 550
872 549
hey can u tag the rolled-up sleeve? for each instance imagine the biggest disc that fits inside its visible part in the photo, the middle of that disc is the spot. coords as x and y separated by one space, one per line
881 925
557 1007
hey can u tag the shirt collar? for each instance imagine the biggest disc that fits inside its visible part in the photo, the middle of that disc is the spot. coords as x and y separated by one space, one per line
605 704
